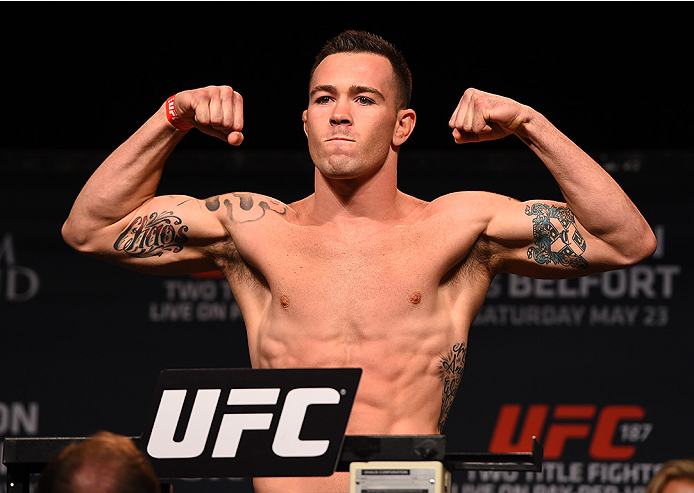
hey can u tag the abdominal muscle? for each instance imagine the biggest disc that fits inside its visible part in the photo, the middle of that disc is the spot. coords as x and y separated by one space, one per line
388 402
400 391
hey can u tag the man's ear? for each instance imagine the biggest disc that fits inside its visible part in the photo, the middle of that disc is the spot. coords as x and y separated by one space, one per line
405 125
303 119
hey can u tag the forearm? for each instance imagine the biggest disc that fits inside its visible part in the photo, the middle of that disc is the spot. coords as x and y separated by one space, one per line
598 202
124 181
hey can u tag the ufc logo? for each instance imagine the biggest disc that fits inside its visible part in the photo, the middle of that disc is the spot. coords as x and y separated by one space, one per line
286 442
571 422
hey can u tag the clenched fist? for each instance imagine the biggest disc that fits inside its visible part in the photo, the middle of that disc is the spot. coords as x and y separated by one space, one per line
481 116
214 110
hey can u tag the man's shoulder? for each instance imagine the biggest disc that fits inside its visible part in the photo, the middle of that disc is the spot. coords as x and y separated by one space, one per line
247 207
468 203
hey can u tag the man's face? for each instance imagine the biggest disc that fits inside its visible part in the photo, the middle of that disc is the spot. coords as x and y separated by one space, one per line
679 485
351 115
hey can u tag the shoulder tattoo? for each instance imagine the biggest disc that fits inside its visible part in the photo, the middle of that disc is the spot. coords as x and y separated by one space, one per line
556 237
246 207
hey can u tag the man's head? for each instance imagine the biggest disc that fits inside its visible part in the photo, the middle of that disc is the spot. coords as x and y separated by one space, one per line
676 476
363 42
357 116
106 462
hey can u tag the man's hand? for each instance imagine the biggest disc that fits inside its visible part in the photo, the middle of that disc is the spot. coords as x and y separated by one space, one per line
214 110
481 116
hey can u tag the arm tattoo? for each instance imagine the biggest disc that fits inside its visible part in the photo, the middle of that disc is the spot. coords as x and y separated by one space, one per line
212 203
149 236
551 224
450 371
244 208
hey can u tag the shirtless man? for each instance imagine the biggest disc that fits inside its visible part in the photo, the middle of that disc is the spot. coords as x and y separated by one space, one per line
359 274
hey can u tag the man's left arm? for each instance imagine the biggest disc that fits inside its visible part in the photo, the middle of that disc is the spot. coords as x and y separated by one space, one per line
611 229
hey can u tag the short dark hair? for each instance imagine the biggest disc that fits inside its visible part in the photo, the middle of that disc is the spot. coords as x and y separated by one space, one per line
363 42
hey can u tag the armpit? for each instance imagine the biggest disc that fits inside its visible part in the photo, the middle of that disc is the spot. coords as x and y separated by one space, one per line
480 261
230 262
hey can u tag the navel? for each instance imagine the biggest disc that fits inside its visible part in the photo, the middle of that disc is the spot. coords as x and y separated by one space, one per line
415 297
284 301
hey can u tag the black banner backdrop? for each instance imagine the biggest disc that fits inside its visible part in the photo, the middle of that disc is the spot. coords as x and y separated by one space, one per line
598 368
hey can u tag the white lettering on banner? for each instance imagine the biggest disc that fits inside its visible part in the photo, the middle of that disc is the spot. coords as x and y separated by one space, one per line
533 315
564 477
648 281
286 442
620 472
194 300
549 315
17 418
171 312
190 290
20 283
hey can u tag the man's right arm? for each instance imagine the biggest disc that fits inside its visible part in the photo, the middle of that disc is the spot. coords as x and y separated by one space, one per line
117 215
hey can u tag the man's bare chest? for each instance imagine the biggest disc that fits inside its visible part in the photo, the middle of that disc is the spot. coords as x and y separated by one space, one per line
351 284
360 266
362 258
353 261
349 288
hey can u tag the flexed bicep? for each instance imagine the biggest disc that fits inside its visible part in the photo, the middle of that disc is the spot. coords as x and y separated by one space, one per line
167 234
545 239
557 240
151 235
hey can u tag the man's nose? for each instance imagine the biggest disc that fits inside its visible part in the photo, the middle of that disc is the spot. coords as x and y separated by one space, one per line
341 114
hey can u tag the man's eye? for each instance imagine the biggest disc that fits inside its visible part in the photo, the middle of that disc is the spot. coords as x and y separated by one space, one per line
322 99
364 100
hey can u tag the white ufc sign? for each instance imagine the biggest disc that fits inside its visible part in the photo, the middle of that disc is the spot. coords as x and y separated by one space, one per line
286 442
240 423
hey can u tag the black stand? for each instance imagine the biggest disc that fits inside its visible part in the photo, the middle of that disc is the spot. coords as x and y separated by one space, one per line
26 456
433 448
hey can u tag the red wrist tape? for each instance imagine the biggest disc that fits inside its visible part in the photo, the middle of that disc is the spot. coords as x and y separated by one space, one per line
173 117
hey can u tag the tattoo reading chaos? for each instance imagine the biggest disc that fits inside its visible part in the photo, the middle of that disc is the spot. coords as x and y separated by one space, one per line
150 236
556 227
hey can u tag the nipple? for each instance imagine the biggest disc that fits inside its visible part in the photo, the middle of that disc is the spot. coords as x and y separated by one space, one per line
284 301
415 297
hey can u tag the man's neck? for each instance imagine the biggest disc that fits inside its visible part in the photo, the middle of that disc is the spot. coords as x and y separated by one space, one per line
375 197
